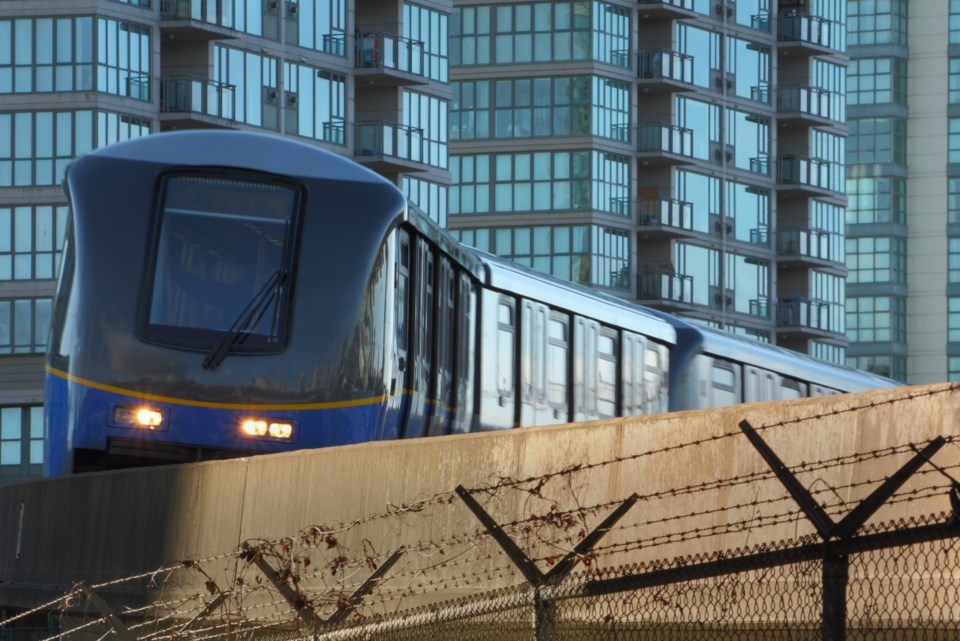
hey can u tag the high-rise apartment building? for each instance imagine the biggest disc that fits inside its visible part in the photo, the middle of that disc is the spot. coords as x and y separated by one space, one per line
903 184
686 154
365 79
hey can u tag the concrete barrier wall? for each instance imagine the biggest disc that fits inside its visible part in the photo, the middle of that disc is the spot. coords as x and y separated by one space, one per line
103 526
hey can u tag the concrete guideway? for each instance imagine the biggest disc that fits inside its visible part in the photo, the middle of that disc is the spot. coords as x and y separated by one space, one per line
702 488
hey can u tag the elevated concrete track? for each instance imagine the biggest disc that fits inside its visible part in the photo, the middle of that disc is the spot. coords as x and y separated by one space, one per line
702 487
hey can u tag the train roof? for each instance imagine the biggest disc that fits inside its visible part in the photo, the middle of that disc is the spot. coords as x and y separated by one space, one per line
781 360
511 277
242 150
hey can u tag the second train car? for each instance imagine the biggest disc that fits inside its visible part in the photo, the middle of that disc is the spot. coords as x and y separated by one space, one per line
230 293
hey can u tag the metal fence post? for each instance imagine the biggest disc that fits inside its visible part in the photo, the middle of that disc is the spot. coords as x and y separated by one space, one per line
836 573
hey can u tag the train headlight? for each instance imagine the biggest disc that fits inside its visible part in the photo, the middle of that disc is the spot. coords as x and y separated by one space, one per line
150 418
266 428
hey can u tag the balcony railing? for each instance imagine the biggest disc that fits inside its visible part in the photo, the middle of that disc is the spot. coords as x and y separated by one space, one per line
187 94
333 131
379 138
810 243
804 313
388 51
138 86
202 10
669 139
809 172
666 65
806 29
669 212
679 4
760 307
810 101
665 285
333 43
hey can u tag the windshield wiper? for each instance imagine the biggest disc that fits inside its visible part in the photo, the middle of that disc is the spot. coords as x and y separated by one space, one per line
247 320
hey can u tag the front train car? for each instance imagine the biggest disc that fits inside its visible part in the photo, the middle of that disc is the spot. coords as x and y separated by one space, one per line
221 293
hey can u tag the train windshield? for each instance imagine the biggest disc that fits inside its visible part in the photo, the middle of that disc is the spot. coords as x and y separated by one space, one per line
222 262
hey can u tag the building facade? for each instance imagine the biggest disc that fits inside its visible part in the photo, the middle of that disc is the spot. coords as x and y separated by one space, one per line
685 154
903 184
365 79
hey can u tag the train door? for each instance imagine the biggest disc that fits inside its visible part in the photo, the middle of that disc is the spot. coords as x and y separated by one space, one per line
498 368
558 366
442 387
398 405
607 373
585 335
760 385
421 340
725 384
633 402
465 361
533 392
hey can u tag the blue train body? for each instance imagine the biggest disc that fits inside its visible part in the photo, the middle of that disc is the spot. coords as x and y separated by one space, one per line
274 296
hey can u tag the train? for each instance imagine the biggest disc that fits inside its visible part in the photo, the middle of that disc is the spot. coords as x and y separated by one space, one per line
227 293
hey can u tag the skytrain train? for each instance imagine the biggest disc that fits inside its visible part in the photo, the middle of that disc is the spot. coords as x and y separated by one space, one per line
228 293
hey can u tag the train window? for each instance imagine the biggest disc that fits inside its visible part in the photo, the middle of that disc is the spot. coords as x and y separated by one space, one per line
607 373
790 388
726 390
655 378
221 265
506 326
558 346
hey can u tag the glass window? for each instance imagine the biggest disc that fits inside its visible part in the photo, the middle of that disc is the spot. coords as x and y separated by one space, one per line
254 78
953 200
589 255
540 32
425 33
953 368
31 239
36 147
953 319
877 140
21 442
894 367
222 263
541 181
873 81
876 319
46 55
954 22
24 324
872 22
315 101
881 259
953 82
425 123
876 200
428 196
748 66
953 140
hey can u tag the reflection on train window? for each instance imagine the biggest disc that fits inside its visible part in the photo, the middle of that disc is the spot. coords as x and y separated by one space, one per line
725 388
505 342
222 261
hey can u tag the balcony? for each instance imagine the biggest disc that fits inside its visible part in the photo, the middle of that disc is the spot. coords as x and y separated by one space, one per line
809 177
386 60
665 218
809 35
666 9
193 20
188 102
809 106
661 144
805 248
806 316
389 147
665 71
665 288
